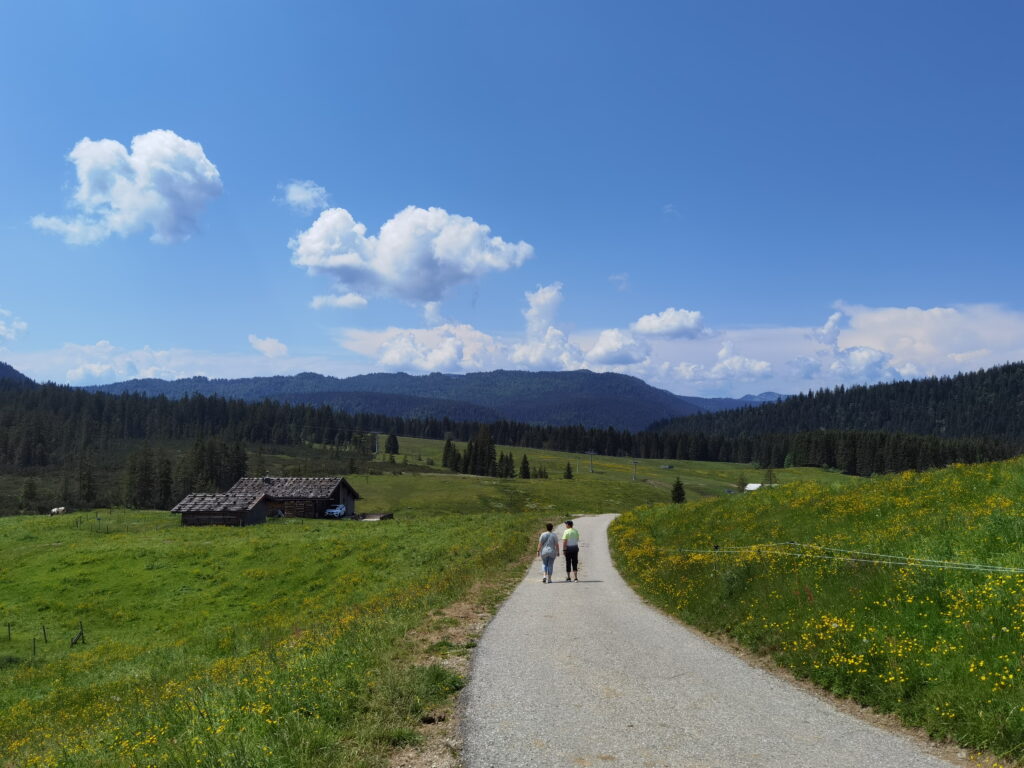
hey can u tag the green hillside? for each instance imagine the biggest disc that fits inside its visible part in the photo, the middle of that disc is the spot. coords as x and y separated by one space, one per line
537 397
285 644
969 405
843 586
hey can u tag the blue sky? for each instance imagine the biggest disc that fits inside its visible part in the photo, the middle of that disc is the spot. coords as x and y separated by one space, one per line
718 197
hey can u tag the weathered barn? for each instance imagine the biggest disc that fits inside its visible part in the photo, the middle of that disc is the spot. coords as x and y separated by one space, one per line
223 509
300 496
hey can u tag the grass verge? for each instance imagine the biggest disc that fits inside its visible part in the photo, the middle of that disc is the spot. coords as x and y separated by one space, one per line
938 647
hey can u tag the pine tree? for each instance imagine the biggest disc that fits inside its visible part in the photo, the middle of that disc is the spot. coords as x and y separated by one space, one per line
524 468
164 483
678 492
568 471
391 444
28 498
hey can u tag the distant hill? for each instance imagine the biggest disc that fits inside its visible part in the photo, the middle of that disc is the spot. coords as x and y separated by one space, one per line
11 376
713 404
987 403
558 398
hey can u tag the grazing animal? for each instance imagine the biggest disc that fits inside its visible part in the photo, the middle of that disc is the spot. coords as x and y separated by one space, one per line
58 510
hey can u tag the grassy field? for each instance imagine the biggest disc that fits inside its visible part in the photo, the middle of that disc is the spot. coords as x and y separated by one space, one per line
284 644
940 647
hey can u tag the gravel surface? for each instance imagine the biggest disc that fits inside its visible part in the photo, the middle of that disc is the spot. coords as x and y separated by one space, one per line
586 674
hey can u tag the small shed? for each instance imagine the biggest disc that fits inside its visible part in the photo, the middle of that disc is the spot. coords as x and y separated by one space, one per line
300 496
222 509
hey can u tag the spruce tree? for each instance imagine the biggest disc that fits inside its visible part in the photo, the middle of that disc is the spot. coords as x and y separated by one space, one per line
678 492
391 444
568 471
524 468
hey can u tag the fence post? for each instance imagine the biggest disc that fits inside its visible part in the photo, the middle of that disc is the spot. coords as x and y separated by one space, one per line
45 639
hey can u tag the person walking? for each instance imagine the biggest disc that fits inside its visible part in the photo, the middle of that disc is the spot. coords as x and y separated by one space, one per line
571 550
547 551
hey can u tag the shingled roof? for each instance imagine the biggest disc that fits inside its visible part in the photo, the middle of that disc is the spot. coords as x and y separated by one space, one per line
219 502
292 487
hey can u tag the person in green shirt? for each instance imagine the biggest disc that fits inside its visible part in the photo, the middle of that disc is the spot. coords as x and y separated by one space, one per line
571 550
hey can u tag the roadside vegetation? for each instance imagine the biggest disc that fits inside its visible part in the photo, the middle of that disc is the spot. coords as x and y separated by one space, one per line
938 646
284 644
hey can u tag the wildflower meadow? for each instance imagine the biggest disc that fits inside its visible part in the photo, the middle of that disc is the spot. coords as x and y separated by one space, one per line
905 592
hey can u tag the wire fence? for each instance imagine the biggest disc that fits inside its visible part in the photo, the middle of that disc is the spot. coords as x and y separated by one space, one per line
819 552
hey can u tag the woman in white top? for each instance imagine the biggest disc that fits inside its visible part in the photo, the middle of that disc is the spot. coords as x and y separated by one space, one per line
547 551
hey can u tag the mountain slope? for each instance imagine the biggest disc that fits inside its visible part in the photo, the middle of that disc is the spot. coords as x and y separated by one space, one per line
9 375
987 403
556 398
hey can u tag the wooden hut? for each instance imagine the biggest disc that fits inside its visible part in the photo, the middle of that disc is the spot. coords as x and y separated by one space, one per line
300 496
223 509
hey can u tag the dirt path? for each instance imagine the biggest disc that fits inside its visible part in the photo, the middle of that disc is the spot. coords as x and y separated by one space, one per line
585 674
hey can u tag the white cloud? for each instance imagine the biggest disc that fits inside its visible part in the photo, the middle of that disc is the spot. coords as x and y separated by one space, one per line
938 340
671 323
306 196
620 280
269 347
550 350
542 306
617 347
736 367
829 333
10 326
104 362
161 184
432 313
445 348
345 301
418 255
545 346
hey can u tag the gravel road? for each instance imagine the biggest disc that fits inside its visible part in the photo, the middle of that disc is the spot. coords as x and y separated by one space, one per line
586 674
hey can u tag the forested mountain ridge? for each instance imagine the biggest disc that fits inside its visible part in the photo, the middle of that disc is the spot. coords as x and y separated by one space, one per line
545 397
10 375
986 403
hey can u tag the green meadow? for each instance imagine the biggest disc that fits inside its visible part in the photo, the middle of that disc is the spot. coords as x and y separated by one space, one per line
940 646
284 644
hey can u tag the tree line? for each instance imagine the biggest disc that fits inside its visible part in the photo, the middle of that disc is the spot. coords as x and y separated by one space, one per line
58 426
968 405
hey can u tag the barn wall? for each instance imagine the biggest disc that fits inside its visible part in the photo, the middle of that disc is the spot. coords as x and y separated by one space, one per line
203 518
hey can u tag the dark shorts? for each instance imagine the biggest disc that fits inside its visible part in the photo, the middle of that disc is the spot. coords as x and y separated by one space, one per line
572 559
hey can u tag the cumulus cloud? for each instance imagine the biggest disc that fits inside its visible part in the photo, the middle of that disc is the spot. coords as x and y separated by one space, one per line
10 326
545 345
733 366
728 367
446 348
345 301
617 347
162 184
542 305
269 347
671 324
937 340
418 255
305 196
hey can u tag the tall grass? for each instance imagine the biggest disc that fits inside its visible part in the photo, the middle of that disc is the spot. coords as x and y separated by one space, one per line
940 647
275 645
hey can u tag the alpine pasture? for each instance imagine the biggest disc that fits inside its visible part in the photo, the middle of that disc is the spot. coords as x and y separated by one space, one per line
284 644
